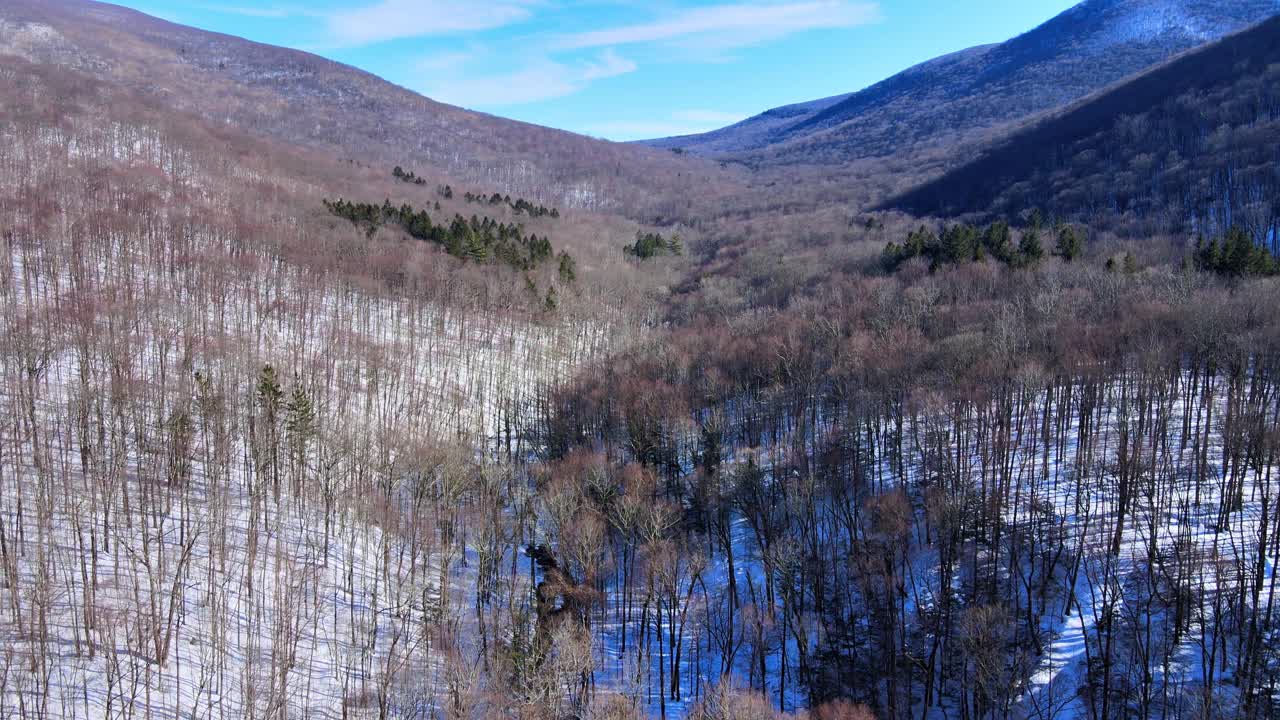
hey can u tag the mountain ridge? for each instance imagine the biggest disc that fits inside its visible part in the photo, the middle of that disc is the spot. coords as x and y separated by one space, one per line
303 98
970 92
1185 146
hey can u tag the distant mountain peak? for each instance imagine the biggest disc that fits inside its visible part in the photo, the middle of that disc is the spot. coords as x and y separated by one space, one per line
1082 50
1103 24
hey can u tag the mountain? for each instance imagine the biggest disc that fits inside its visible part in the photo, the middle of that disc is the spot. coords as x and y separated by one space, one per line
269 455
752 132
1188 146
301 98
966 94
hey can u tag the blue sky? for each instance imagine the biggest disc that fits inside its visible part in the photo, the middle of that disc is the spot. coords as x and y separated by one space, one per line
621 69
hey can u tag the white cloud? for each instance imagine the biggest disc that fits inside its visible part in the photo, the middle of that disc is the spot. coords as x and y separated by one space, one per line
541 79
396 19
608 65
735 25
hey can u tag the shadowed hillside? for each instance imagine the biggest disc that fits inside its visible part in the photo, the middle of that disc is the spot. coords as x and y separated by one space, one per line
959 96
1187 147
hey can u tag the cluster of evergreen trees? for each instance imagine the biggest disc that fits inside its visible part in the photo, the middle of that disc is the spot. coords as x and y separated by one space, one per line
962 243
520 206
650 245
1235 254
480 240
409 177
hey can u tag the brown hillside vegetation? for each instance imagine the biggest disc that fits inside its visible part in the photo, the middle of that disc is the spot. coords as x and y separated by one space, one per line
304 99
298 423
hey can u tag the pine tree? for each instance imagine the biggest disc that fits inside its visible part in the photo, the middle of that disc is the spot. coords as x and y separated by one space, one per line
300 420
891 257
269 392
920 242
1030 249
1069 246
477 251
568 268
958 244
1235 254
269 396
999 241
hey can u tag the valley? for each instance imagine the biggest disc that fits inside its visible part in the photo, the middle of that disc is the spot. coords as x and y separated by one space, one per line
322 399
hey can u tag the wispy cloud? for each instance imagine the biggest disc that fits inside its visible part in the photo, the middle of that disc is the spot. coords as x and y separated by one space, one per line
536 80
733 25
483 72
396 19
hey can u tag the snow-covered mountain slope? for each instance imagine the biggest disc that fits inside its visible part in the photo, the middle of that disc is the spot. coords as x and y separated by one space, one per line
1084 49
237 480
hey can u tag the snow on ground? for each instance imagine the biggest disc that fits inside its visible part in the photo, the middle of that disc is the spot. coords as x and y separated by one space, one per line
152 566
1173 516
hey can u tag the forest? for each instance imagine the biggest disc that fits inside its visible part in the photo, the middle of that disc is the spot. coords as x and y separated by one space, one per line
1187 147
732 454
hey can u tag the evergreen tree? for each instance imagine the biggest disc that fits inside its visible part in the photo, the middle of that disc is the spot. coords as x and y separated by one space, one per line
266 430
1235 254
1030 250
892 256
269 393
568 268
300 420
649 245
1069 246
999 241
960 243
920 242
